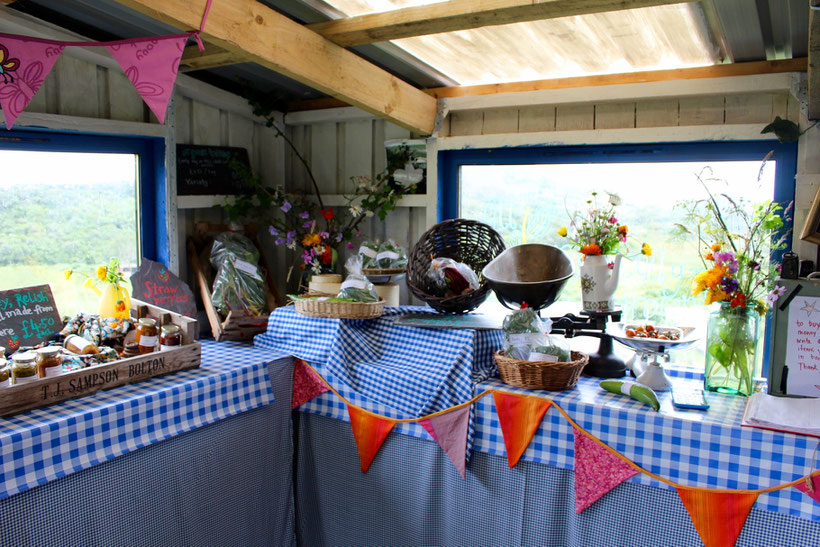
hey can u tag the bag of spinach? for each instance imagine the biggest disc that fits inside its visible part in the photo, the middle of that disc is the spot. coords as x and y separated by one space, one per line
526 338
238 284
356 287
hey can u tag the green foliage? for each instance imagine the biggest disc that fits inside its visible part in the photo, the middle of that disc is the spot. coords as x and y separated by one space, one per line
785 130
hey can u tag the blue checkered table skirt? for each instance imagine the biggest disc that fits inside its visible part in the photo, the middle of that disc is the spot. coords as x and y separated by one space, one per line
47 443
407 371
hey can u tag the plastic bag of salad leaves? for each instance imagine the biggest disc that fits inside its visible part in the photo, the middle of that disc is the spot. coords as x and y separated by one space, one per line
368 251
451 278
238 284
391 255
356 286
526 338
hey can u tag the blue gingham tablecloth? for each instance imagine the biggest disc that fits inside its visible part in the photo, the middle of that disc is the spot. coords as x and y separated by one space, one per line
47 443
406 372
688 447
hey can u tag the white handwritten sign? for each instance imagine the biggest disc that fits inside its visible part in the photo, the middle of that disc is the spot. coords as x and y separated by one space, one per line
803 347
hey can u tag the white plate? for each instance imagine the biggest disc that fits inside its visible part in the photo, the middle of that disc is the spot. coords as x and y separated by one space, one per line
618 332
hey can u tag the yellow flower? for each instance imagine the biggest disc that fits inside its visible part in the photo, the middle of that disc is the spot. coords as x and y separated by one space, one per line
101 273
562 231
716 295
646 249
699 283
311 240
89 283
67 273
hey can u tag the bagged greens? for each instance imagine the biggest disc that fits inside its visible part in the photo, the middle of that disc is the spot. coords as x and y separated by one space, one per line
356 286
368 251
238 284
526 338
451 278
390 255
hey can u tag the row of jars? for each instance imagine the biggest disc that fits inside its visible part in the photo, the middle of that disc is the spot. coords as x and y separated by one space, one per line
47 361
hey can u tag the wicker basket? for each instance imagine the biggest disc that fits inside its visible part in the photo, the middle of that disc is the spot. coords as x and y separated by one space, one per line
339 310
541 375
467 241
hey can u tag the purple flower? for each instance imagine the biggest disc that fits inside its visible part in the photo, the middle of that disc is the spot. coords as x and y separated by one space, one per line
290 236
307 256
349 245
339 237
776 293
726 259
729 285
613 220
307 224
286 206
304 214
324 235
279 241
273 231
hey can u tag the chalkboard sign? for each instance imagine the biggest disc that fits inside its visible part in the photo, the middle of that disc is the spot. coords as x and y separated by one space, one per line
204 170
153 283
28 316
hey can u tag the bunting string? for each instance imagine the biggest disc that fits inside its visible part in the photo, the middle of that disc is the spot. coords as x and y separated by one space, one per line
574 424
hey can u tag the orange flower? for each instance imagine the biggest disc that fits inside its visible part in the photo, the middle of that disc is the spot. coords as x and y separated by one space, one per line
709 256
119 306
591 249
622 229
311 239
716 247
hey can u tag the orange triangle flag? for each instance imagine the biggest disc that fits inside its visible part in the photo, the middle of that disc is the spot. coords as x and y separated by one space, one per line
369 431
718 516
519 416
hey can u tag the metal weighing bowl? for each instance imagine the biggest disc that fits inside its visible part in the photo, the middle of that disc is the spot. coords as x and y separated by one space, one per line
688 337
531 273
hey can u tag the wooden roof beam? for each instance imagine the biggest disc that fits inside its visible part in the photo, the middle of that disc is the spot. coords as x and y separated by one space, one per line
814 60
212 57
252 30
462 15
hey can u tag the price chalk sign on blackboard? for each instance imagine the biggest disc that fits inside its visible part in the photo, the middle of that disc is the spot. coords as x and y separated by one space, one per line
205 170
28 316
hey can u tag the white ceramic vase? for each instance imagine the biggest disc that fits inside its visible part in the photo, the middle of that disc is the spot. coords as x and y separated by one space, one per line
599 281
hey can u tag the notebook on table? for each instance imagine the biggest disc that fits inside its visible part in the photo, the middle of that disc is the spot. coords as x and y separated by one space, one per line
787 414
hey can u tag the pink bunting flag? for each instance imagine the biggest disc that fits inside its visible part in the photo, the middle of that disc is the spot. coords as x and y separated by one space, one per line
306 384
151 64
450 432
811 489
597 471
24 65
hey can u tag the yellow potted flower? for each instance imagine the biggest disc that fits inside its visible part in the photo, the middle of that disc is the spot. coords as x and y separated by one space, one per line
114 298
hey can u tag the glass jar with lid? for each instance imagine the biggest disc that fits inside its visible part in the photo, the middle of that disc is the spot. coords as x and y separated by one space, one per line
147 335
5 373
49 362
23 367
79 345
170 336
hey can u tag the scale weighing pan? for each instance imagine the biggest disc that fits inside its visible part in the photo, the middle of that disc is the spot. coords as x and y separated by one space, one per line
652 345
531 273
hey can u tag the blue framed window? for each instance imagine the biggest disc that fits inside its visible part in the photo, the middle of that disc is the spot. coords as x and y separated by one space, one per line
152 199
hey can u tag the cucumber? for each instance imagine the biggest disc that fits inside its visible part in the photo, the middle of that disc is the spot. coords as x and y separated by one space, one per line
638 392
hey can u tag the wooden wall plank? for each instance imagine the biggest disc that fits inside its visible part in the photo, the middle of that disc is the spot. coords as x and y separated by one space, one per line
614 115
536 118
574 117
659 113
206 125
183 120
780 105
77 87
503 120
358 153
126 104
241 135
749 108
323 156
701 110
468 122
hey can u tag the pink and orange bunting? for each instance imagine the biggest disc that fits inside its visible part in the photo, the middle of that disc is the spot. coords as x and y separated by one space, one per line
151 65
718 516
24 64
597 470
450 432
306 384
810 486
520 417
369 432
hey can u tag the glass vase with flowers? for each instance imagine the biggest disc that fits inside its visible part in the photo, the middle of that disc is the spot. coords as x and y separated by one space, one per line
736 240
601 238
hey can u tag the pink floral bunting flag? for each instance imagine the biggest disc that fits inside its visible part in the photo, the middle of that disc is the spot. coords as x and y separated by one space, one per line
449 430
306 384
24 65
597 471
812 489
151 64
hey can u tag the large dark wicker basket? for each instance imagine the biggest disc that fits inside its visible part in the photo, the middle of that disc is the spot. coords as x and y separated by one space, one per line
467 241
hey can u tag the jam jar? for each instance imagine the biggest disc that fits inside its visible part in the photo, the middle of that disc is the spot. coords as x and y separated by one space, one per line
5 373
49 362
147 335
23 367
170 337
79 345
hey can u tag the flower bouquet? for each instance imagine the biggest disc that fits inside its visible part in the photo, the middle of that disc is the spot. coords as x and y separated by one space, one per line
115 301
735 242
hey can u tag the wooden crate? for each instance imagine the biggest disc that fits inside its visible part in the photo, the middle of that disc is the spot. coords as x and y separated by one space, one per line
70 385
237 325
